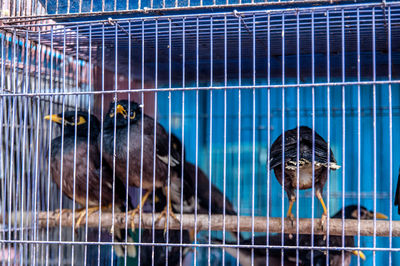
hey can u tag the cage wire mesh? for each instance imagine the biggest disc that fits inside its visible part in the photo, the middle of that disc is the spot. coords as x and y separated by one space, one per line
227 85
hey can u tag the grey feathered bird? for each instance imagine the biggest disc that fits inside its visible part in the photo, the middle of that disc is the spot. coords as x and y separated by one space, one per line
321 164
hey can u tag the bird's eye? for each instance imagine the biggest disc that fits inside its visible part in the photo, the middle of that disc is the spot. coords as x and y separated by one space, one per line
133 115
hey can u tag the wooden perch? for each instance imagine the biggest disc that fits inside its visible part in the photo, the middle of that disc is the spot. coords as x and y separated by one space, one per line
188 222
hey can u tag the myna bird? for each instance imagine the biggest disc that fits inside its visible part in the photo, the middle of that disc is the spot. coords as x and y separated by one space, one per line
122 115
305 163
335 256
86 173
319 256
397 197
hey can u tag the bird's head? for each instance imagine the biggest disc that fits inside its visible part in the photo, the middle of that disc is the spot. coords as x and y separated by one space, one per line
351 212
80 120
125 112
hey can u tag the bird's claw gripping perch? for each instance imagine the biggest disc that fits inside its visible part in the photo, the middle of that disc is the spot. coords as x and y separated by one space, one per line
165 212
82 213
137 209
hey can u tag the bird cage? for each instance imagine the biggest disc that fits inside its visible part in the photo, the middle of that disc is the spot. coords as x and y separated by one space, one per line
238 112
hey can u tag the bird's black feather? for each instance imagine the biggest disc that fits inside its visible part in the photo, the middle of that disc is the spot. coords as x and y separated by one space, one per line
306 147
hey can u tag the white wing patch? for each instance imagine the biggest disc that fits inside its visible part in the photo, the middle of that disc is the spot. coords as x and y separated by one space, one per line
174 162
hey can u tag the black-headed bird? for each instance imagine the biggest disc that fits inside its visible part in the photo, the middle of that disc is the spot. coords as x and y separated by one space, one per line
165 160
336 257
310 143
319 256
70 168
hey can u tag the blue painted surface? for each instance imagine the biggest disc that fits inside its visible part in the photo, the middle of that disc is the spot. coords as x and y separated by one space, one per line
347 175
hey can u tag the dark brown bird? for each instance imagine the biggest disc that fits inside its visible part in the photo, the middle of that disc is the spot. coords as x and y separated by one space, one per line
319 255
335 256
397 197
167 160
87 172
306 145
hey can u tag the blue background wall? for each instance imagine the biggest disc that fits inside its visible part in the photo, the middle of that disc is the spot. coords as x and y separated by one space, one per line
347 176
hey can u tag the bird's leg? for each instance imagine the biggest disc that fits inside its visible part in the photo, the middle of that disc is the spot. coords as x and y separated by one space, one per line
60 212
82 213
167 209
324 215
292 200
289 212
137 209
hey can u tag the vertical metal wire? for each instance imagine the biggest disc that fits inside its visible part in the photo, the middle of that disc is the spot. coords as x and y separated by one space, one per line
25 90
358 134
225 116
253 171
283 142
35 186
313 131
12 128
2 180
101 138
269 130
211 139
343 136
374 124
75 145
298 132
88 144
115 138
155 136
169 136
141 150
197 140
328 105
141 141
62 148
239 153
49 148
183 130
126 233
390 133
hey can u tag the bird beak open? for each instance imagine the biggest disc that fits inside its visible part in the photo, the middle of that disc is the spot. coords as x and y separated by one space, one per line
359 253
121 110
54 118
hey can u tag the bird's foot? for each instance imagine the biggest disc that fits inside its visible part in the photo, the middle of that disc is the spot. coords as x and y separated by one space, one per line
165 212
137 209
82 213
60 212
133 214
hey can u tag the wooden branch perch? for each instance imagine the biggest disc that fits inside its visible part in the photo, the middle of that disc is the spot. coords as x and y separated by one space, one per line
188 222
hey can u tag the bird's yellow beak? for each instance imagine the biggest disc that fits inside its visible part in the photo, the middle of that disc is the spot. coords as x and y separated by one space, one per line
121 110
55 118
381 216
359 253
